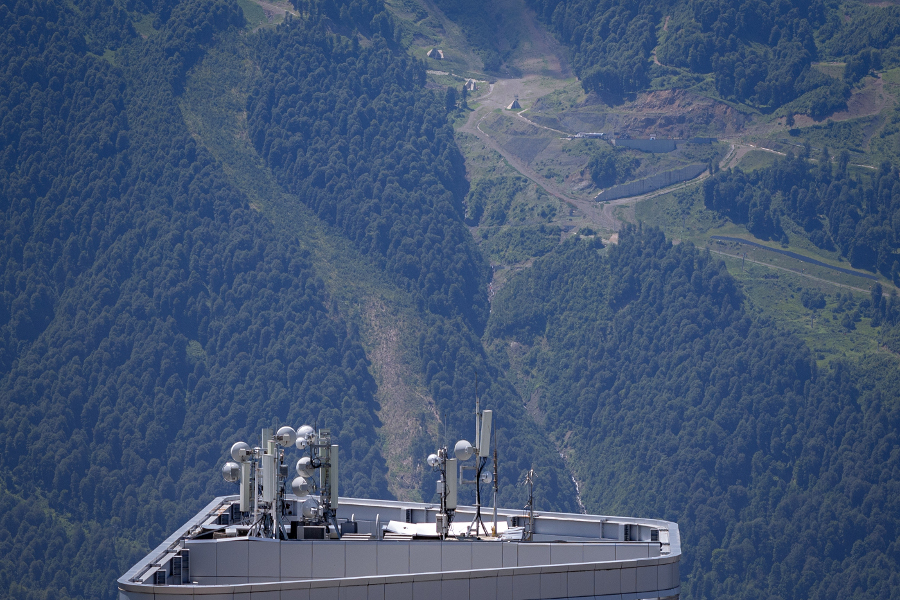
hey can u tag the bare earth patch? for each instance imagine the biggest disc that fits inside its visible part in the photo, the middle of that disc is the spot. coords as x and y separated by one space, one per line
871 99
405 413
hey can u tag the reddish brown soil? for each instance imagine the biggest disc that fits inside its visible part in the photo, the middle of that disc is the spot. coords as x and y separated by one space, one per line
678 114
869 100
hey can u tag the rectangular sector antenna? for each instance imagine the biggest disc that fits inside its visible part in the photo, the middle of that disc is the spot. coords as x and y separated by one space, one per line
484 445
451 483
245 487
268 474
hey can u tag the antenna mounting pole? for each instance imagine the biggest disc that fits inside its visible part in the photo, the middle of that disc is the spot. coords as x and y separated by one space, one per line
496 482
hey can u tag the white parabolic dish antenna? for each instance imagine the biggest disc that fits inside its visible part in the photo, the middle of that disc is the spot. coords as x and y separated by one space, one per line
309 508
231 471
304 467
463 450
240 451
300 486
306 435
286 436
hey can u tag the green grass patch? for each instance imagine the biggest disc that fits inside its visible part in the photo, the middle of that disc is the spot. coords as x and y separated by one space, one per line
837 331
833 69
253 13
850 135
567 97
423 27
774 284
757 159
511 245
499 198
443 80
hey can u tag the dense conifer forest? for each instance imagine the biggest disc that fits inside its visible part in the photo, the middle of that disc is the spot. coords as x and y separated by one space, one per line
857 214
352 131
150 314
670 397
760 53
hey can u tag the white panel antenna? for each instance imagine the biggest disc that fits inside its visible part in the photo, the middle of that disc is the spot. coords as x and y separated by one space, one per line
245 486
451 484
484 445
268 474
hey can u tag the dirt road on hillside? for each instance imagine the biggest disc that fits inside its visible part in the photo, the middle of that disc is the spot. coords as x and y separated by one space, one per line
591 210
546 71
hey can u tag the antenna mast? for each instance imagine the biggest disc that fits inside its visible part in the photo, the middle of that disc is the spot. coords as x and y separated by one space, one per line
482 451
447 467
529 481
262 475
496 483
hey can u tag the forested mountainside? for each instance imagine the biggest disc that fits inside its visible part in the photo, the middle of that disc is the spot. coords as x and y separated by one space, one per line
669 398
150 316
481 22
352 131
856 214
760 53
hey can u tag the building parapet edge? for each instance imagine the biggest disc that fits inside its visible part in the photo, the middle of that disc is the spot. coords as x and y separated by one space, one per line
131 589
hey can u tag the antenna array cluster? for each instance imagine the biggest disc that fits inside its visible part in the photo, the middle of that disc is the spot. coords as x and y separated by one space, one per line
262 474
447 485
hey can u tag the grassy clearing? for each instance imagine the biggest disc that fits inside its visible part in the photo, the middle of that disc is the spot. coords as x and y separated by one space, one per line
423 27
851 135
253 13
776 295
832 69
757 159
441 79
570 95
773 283
869 129
501 200
885 144
522 202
